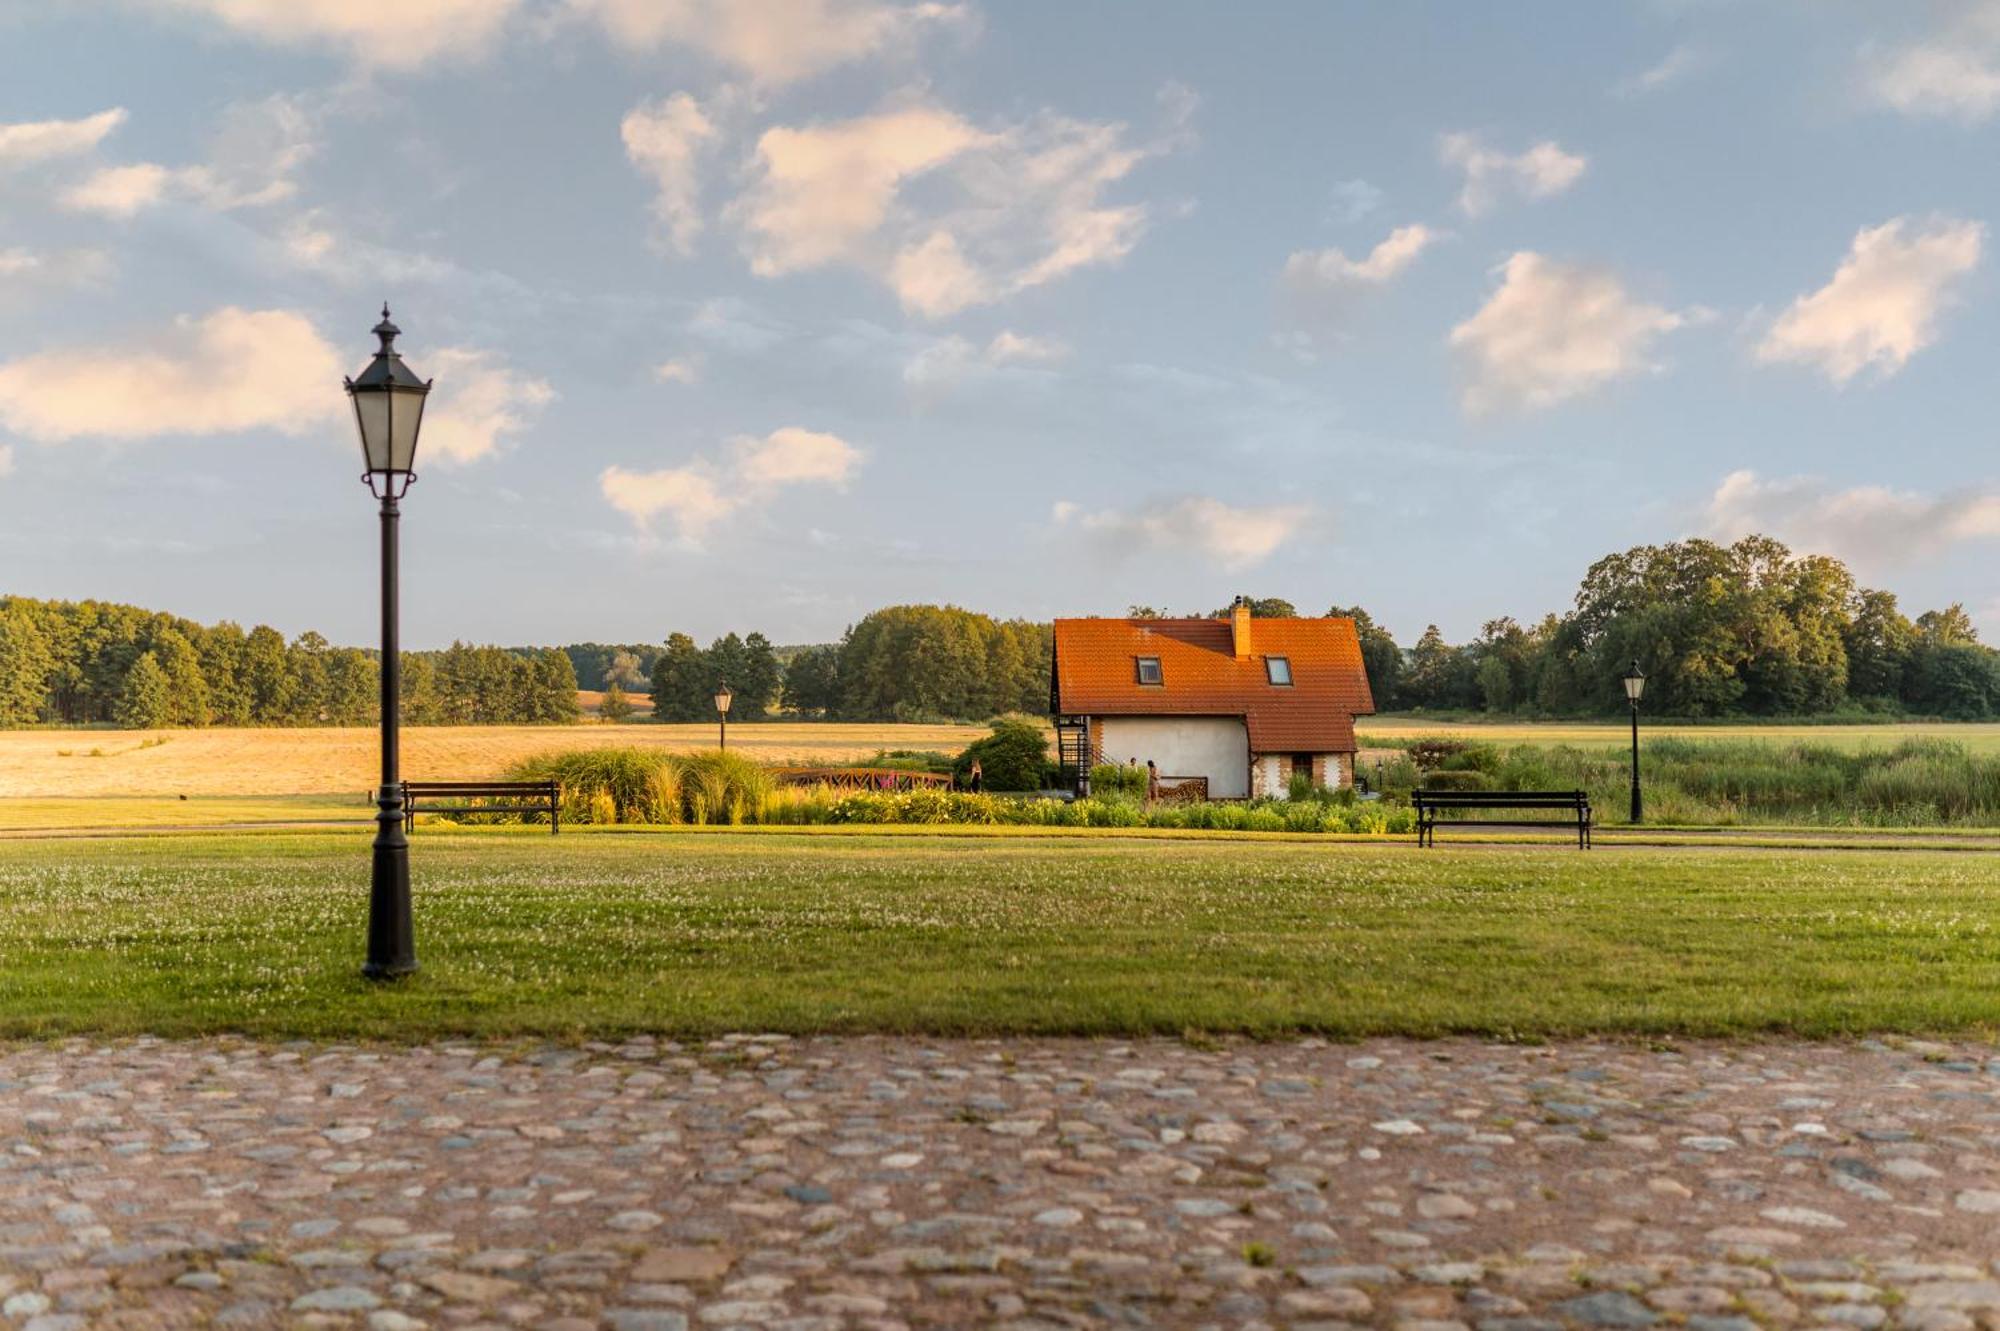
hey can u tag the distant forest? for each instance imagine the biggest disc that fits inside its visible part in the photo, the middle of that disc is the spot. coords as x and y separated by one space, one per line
91 662
1742 630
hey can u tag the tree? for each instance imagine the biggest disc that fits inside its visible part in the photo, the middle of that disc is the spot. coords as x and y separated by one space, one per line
24 667
1014 757
680 682
1261 607
1440 675
1380 655
1496 685
761 675
147 702
616 706
267 677
1879 642
1948 627
812 682
187 689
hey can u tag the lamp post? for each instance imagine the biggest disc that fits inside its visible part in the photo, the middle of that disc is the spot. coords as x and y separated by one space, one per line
388 411
1635 684
723 697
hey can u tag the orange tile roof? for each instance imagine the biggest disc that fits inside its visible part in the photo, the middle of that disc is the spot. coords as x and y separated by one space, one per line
1096 675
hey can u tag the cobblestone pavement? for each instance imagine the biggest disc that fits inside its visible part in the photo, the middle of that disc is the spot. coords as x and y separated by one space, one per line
810 1184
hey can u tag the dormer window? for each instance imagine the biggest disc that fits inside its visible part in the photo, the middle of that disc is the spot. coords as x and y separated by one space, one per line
1278 669
1149 670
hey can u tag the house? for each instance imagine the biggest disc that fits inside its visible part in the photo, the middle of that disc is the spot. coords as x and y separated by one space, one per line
1239 703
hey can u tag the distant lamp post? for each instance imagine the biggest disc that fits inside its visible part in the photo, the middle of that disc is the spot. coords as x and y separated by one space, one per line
1635 684
388 411
723 697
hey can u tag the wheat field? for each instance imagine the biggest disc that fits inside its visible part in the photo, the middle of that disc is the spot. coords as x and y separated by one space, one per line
100 763
341 761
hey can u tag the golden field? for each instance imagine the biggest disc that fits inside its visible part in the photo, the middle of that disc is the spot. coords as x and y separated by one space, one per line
345 761
99 764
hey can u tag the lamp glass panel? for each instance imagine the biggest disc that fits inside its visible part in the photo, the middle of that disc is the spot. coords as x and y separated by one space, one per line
1634 686
405 419
371 416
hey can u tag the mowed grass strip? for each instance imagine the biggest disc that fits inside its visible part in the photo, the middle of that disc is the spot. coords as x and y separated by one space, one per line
521 934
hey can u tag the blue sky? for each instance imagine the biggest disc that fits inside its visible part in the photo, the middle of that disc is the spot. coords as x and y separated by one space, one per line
763 313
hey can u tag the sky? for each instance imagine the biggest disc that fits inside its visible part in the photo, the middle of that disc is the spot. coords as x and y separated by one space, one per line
760 314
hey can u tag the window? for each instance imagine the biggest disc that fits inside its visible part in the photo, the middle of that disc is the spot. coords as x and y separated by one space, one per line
1149 669
1278 669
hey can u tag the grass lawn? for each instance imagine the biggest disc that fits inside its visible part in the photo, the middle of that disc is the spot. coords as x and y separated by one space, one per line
696 933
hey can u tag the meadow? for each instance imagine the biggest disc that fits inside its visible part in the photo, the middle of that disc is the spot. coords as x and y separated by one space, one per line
693 933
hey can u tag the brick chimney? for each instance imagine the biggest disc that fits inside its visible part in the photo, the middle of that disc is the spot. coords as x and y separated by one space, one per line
1239 627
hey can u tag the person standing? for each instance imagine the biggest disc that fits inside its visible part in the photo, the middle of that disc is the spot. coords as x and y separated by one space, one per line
976 779
1152 780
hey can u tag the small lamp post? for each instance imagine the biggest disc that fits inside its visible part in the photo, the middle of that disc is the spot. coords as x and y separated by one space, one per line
1635 684
723 697
388 411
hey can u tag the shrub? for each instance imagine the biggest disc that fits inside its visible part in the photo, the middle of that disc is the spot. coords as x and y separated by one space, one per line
1449 779
1118 779
1014 757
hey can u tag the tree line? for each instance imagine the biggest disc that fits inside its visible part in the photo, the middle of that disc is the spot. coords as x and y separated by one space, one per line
900 663
1749 629
93 662
1746 629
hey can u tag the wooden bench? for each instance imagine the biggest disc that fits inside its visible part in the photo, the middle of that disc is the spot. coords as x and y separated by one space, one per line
1429 803
454 797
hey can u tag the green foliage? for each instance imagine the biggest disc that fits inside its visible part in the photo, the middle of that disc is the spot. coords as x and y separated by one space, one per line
73 661
1118 779
616 706
1014 757
1457 779
148 699
630 785
928 663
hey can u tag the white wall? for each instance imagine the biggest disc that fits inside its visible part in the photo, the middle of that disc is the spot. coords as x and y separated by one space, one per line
1212 746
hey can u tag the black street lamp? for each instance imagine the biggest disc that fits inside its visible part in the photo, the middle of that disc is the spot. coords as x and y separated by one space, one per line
723 697
1635 684
388 411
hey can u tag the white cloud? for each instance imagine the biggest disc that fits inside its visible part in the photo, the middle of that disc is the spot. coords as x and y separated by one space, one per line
24 271
227 371
1309 272
477 399
1235 537
770 41
1551 332
385 34
1953 73
689 496
792 456
28 141
952 362
119 191
1541 172
1675 66
1882 306
254 155
665 140
1011 348
1866 524
677 371
698 497
947 214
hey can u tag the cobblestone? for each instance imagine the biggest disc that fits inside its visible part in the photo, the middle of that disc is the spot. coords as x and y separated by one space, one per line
879 1184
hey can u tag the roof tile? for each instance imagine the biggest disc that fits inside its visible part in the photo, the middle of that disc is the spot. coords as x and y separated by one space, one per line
1097 675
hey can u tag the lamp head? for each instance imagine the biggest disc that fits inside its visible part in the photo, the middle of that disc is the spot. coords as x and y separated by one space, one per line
1635 683
388 402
